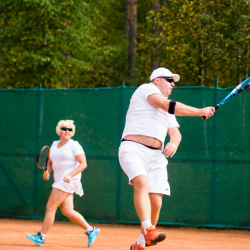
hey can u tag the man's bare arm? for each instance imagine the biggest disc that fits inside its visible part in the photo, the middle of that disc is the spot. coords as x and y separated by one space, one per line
181 109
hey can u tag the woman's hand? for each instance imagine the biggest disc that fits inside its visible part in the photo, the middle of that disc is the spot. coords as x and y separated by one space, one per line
67 179
46 176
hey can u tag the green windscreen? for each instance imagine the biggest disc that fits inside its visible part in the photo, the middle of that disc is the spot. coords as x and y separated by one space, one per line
209 175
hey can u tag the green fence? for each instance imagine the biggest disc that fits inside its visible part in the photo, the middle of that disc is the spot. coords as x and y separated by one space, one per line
209 175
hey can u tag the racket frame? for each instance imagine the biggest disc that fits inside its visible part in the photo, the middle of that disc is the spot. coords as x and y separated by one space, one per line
44 167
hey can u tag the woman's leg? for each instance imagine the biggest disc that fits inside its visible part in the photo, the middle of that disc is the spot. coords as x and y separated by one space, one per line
57 197
67 208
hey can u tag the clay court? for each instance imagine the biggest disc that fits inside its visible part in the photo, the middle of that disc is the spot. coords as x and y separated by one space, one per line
65 235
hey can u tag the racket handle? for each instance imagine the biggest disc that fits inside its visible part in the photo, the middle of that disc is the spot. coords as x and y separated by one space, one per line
46 174
216 107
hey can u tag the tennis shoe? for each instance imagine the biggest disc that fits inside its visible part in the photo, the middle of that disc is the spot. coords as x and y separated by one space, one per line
92 235
137 247
151 244
153 236
35 238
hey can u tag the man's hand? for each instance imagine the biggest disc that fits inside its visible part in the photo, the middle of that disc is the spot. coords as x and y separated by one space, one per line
207 112
170 150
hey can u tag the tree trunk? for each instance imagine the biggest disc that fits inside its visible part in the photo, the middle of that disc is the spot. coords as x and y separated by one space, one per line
45 81
239 51
239 64
132 39
127 19
247 67
154 59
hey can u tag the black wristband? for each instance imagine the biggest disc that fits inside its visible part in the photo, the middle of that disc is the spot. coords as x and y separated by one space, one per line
171 107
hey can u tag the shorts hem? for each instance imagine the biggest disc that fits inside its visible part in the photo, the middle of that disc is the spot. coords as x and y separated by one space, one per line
130 179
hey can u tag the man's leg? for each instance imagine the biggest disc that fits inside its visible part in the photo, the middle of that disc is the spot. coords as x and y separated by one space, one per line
142 207
141 197
156 204
143 204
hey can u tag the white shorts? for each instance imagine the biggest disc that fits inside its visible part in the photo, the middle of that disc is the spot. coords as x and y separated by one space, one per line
137 159
75 186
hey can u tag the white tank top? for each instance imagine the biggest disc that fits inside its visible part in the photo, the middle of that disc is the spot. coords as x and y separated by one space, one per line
144 119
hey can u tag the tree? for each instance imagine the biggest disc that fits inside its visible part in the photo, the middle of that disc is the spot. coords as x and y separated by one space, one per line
55 44
66 43
200 40
155 33
41 43
130 35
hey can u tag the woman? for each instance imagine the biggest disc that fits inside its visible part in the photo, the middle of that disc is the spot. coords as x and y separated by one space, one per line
67 160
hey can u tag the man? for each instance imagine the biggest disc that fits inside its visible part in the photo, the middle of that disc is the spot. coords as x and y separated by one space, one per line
142 156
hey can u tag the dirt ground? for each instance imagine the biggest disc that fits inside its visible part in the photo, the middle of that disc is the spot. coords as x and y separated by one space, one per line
66 235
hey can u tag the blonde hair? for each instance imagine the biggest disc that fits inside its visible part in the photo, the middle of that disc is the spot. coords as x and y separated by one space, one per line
65 123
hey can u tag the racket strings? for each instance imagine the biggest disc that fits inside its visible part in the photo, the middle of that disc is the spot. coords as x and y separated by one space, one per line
42 161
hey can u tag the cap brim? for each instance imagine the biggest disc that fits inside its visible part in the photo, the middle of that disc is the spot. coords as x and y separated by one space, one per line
176 77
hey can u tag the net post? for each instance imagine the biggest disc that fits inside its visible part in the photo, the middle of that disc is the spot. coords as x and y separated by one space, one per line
119 171
213 182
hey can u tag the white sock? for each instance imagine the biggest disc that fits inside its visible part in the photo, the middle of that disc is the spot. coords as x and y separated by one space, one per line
42 236
89 229
141 240
145 224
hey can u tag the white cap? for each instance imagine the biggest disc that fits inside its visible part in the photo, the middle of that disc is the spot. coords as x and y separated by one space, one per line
164 72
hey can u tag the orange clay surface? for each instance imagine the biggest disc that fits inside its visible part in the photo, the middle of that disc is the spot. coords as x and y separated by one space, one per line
66 235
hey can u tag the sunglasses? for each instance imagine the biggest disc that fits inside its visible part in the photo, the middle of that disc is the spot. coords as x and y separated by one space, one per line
169 79
65 129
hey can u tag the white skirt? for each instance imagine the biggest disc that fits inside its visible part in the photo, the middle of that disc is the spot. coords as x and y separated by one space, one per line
75 186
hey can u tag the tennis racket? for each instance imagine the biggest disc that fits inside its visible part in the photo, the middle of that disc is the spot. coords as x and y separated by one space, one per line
42 159
237 90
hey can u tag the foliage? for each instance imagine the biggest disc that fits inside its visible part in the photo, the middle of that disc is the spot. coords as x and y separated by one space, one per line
76 44
200 40
53 43
111 67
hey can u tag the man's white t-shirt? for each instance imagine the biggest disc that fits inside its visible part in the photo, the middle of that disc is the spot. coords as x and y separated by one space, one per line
144 119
